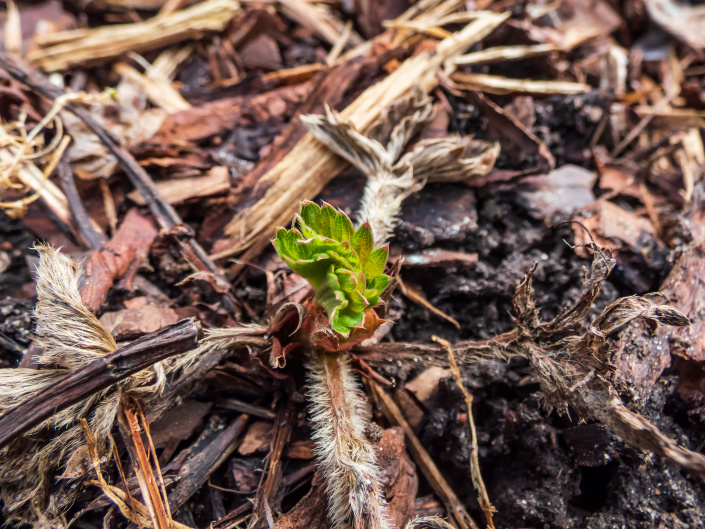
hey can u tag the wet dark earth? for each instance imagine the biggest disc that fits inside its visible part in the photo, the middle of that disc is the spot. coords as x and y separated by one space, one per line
542 470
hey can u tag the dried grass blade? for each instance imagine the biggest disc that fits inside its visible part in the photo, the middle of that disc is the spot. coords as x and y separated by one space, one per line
456 510
85 47
477 480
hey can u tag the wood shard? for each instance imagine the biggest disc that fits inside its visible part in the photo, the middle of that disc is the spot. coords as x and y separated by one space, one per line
63 50
178 190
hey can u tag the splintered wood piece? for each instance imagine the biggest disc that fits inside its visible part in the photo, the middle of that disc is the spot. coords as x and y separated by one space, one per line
496 84
159 89
318 20
268 493
310 165
129 245
457 513
132 435
178 190
195 472
99 374
84 47
506 53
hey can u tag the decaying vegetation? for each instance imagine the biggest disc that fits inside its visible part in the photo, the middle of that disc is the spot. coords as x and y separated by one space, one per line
352 264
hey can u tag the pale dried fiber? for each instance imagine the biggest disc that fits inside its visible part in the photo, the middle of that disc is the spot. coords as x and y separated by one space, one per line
71 337
391 177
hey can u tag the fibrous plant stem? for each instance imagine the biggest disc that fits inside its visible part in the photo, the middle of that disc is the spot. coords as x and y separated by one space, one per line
345 455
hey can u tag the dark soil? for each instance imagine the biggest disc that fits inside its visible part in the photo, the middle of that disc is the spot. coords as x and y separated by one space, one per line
541 470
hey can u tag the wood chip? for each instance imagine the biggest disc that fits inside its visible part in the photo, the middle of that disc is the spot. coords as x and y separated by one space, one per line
63 50
178 190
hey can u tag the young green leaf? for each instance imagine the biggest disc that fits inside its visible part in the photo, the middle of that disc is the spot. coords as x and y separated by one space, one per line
375 263
339 262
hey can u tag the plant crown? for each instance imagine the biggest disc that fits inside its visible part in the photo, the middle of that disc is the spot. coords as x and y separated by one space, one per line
344 269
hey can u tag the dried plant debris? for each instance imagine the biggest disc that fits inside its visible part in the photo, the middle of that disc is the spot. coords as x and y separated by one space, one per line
90 46
27 159
575 371
598 109
392 176
71 336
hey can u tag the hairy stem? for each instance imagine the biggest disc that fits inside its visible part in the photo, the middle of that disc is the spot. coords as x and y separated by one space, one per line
381 202
346 457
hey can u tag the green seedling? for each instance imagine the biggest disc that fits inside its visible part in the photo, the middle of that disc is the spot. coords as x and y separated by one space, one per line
339 261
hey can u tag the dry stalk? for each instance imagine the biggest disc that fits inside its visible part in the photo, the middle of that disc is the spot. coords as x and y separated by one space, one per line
345 455
65 49
391 177
157 505
496 84
130 508
506 53
309 166
477 480
459 516
71 337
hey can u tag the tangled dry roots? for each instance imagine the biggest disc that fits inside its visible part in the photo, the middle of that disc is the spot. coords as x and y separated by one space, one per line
71 336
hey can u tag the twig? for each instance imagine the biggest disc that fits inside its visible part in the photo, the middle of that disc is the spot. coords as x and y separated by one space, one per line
267 494
477 480
456 510
417 297
245 407
90 234
294 480
99 374
196 470
165 214
130 430
641 125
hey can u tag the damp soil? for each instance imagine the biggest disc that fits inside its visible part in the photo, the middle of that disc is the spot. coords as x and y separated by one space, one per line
541 469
